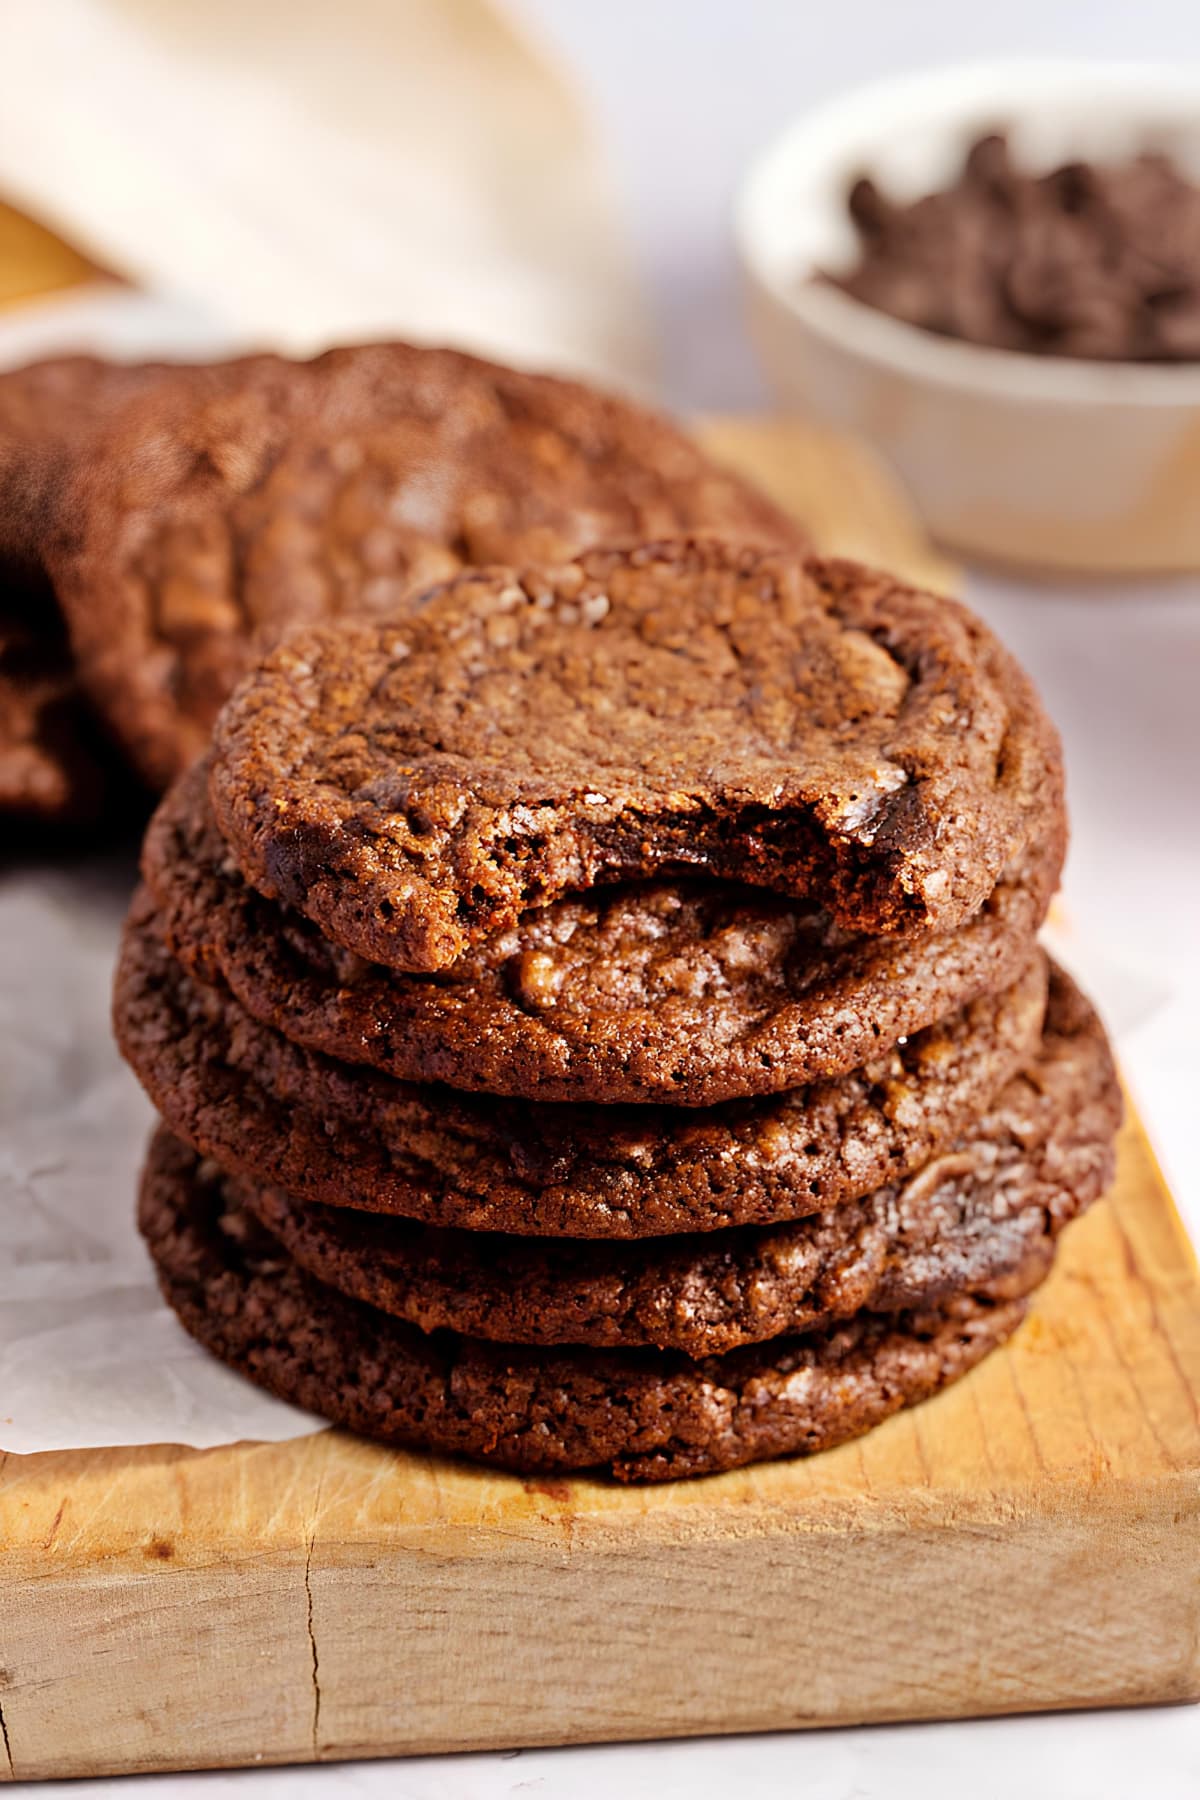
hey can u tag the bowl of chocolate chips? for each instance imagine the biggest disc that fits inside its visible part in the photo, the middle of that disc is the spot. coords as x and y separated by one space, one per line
993 274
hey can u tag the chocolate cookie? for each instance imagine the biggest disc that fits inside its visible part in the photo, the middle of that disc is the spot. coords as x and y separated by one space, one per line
989 1204
324 1130
1039 1156
55 765
646 1415
49 413
807 727
267 491
52 764
690 993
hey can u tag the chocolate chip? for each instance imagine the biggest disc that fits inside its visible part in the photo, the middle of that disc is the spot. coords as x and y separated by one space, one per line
1089 260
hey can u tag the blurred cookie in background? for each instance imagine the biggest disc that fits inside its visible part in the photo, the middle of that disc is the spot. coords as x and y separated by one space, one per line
216 511
184 512
56 763
50 759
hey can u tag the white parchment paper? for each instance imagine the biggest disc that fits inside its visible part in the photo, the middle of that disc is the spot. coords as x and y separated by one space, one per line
88 1352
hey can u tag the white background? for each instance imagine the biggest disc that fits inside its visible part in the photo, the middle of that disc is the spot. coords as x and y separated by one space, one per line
685 91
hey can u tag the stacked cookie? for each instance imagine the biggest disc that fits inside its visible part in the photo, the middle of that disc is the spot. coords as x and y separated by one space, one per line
597 1017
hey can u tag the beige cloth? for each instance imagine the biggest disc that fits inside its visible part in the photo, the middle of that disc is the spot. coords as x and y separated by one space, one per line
312 171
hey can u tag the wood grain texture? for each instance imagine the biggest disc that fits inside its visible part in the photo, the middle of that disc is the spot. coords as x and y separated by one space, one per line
1028 1540
34 261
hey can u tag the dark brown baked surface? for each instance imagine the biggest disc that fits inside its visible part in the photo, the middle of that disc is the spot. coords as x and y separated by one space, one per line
644 1415
56 767
327 1131
686 992
228 502
690 706
50 412
979 1211
1038 1156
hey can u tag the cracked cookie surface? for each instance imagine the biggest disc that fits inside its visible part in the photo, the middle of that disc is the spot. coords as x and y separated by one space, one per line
344 1135
643 1415
996 1195
686 992
806 727
989 1203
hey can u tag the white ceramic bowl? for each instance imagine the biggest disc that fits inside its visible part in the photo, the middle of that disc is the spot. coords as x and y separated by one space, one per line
1043 461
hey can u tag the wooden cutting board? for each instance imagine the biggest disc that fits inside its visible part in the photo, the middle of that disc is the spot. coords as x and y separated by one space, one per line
1028 1540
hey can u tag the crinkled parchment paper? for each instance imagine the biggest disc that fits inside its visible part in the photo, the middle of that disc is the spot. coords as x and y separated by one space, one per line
88 1352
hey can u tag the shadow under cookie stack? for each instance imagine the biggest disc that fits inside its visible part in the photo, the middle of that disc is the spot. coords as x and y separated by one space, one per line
597 1019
